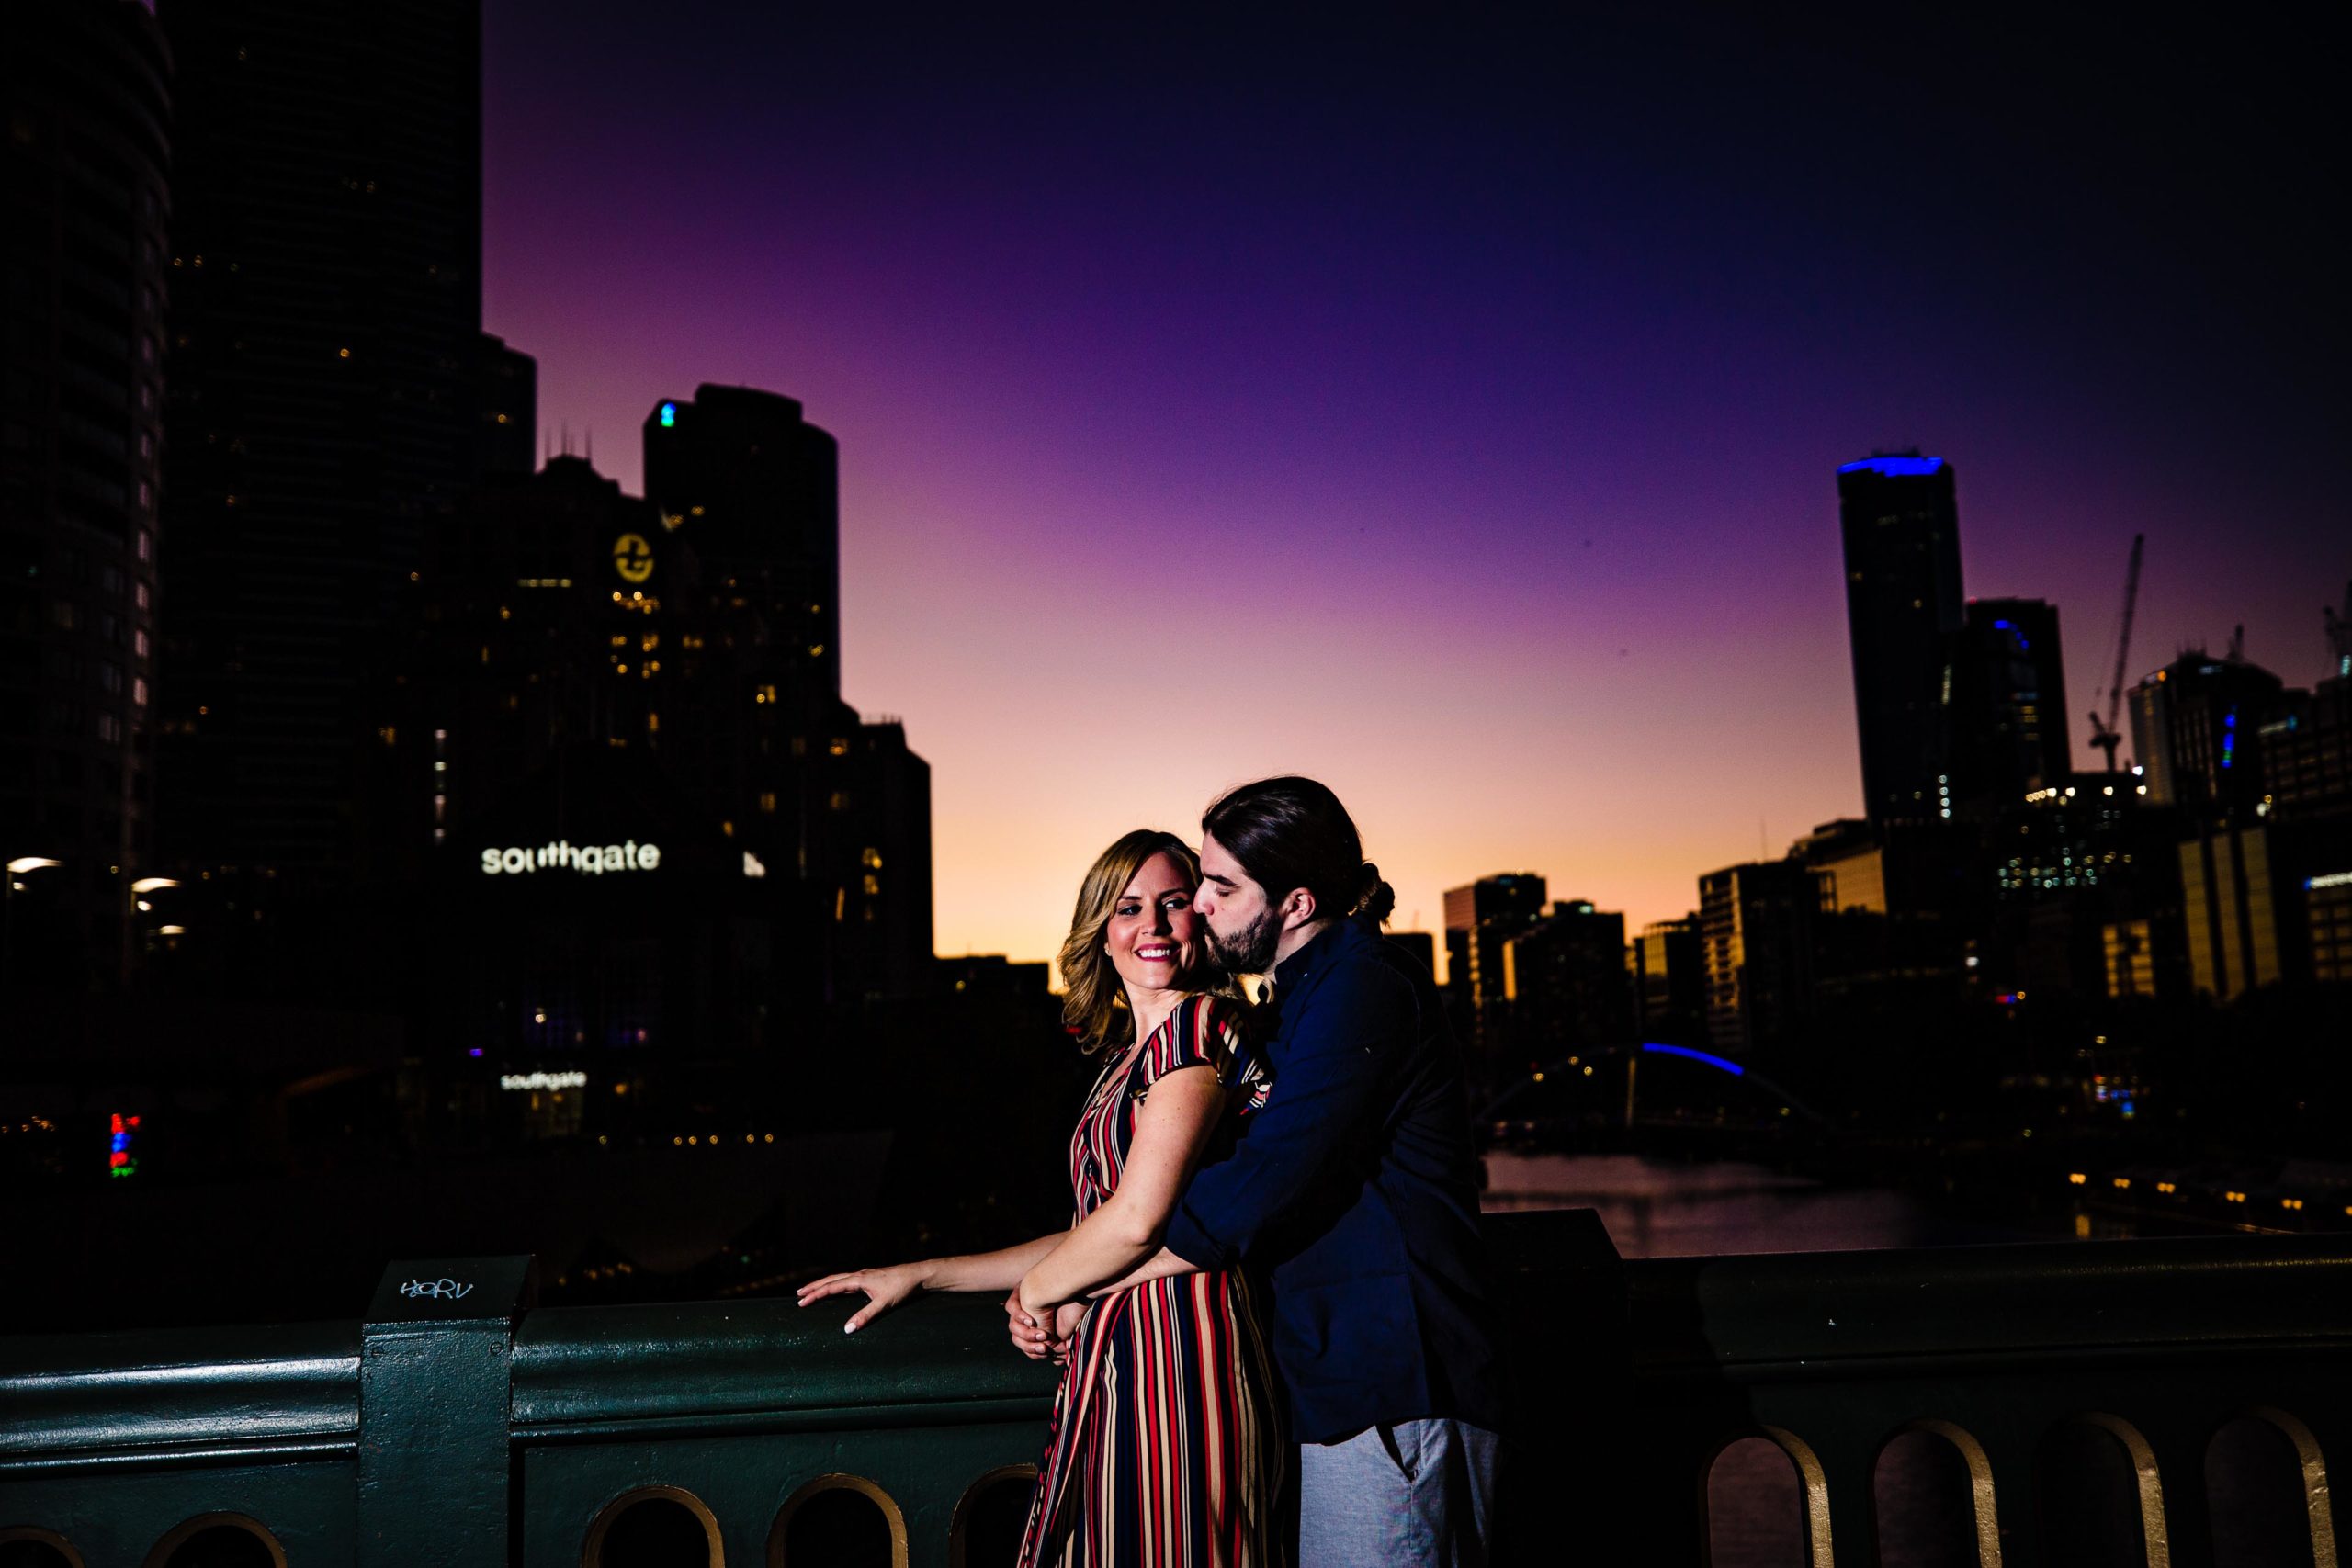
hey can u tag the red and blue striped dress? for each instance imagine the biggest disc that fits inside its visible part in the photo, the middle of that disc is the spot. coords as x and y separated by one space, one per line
1166 1448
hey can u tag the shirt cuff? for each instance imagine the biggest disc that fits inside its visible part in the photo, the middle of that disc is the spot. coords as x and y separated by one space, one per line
1189 1241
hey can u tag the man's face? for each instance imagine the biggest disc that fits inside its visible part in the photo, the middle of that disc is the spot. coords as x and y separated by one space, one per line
1242 929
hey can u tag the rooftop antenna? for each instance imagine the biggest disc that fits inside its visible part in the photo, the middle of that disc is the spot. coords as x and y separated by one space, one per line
2237 645
2104 734
592 446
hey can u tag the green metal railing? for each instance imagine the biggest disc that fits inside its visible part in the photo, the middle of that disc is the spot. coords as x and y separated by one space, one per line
2058 1407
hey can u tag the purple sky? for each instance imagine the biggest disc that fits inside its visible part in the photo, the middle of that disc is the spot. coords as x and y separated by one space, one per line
1450 415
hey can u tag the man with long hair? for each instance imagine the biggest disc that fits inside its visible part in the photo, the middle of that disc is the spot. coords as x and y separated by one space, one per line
1354 1192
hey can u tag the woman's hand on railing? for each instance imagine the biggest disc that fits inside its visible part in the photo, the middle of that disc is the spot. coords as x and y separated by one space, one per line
883 1288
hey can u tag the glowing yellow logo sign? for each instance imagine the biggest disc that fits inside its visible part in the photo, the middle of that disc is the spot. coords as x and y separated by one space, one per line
633 558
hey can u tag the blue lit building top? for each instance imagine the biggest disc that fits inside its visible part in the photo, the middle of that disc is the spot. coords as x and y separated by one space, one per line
1896 468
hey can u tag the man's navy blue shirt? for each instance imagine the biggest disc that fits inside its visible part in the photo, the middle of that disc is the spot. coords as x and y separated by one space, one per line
1354 1192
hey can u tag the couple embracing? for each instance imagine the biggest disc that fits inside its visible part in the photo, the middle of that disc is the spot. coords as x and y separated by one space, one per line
1274 1279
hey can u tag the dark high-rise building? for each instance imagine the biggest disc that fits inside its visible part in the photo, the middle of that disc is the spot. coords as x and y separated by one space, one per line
1565 980
1479 919
2197 731
1901 531
508 411
1667 966
2008 704
2085 895
1422 945
324 388
82 215
2307 751
1754 921
754 489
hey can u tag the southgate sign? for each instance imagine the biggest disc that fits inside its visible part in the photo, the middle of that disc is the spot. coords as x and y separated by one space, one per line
587 860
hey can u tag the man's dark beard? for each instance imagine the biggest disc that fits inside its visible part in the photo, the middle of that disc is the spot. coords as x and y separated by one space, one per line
1252 952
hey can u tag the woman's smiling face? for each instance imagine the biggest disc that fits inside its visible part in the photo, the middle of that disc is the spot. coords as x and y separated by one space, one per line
1154 936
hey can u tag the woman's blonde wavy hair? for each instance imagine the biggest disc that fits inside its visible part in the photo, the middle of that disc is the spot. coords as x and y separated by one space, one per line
1095 1003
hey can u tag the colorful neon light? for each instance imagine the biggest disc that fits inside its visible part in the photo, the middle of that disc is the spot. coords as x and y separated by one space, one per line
1733 1069
1896 468
122 1158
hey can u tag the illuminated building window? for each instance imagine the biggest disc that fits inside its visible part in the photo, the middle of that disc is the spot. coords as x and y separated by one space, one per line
839 748
653 723
873 885
763 694
840 801
767 801
139 642
872 858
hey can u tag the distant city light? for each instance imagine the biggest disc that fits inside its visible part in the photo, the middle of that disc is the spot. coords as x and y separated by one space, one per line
516 1081
122 1158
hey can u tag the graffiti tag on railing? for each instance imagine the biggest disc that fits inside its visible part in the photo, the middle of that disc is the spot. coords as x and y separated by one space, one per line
446 1290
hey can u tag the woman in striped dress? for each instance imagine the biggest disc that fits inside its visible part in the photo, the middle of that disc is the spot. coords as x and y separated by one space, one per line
1165 1449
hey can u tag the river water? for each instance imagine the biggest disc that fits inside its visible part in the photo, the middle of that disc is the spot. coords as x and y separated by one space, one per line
1661 1208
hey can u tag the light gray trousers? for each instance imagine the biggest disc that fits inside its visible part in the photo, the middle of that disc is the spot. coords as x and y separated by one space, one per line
1415 1495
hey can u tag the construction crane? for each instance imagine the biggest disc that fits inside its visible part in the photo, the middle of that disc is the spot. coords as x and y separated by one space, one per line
2104 734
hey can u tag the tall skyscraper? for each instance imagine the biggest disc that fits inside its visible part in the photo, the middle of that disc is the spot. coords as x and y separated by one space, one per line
509 410
82 215
1479 918
2197 730
1564 979
1667 966
324 392
2008 705
1901 531
1754 923
755 490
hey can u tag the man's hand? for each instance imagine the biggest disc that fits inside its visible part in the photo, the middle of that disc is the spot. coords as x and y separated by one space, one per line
1066 1322
1030 1337
883 1288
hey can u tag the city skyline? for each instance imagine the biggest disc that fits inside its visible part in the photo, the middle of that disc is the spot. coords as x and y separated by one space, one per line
1478 425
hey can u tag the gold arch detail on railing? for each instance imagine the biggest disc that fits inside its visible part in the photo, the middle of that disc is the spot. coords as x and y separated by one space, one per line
838 1481
2313 1463
1815 1482
51 1539
2155 1534
959 1526
159 1554
592 1546
1982 1504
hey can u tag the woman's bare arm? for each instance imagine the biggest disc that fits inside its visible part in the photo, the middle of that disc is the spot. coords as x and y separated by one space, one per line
1174 1126
886 1288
